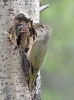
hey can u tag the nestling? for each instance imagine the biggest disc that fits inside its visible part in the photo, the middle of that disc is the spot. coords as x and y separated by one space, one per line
22 32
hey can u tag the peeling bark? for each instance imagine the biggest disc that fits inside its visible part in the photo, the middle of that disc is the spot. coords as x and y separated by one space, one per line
13 85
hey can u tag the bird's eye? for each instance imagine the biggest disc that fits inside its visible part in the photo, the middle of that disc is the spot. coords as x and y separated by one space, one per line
20 29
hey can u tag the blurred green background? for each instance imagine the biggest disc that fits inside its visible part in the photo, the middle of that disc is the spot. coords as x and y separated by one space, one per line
57 70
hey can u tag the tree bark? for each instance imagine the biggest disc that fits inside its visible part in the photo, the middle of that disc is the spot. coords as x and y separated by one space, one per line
13 85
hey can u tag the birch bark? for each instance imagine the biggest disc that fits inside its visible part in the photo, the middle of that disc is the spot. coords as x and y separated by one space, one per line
13 85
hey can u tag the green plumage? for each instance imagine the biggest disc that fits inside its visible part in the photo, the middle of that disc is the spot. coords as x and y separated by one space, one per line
38 52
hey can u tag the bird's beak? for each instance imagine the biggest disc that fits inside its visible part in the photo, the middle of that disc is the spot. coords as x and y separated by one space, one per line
43 7
24 30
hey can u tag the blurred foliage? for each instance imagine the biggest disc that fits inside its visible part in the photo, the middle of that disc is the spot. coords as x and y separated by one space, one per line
58 67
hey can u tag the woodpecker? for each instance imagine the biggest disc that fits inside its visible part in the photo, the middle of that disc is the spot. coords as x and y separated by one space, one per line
37 52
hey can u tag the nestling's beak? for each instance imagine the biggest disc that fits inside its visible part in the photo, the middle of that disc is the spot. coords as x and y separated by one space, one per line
24 30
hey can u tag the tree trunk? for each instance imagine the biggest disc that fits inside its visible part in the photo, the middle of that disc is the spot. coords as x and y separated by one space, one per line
13 85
